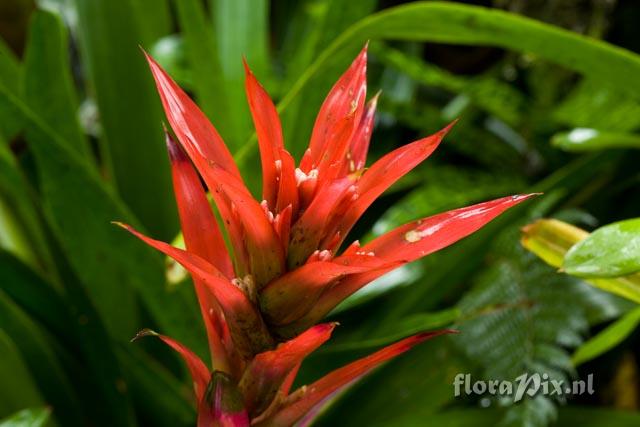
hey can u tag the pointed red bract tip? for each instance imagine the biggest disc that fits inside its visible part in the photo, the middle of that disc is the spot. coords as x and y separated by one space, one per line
195 132
245 65
175 151
448 127
270 140
144 333
337 119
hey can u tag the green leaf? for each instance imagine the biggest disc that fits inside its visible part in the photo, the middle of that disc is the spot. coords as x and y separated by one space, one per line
35 295
462 24
206 70
521 317
608 338
241 28
551 239
19 228
76 326
155 19
32 417
105 393
586 139
18 388
109 34
610 251
153 387
37 350
592 104
9 67
490 95
10 75
48 85
112 265
315 24
21 219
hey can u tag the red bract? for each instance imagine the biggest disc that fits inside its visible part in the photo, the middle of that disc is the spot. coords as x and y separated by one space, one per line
283 272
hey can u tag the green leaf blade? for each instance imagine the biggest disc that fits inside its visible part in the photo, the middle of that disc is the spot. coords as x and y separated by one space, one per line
31 417
585 139
610 251
110 34
608 338
48 86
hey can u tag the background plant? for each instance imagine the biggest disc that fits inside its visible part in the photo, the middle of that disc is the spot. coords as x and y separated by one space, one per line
81 145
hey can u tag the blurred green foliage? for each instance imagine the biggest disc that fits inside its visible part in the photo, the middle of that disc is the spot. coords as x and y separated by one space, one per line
541 108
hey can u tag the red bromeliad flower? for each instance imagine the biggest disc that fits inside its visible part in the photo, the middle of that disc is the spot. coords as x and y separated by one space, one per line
261 300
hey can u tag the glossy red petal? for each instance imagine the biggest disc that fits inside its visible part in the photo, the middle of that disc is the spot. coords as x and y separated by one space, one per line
305 400
249 332
290 296
198 370
194 130
344 100
222 405
268 371
269 132
422 237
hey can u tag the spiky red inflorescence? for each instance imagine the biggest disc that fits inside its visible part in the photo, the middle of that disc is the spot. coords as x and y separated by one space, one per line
261 300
